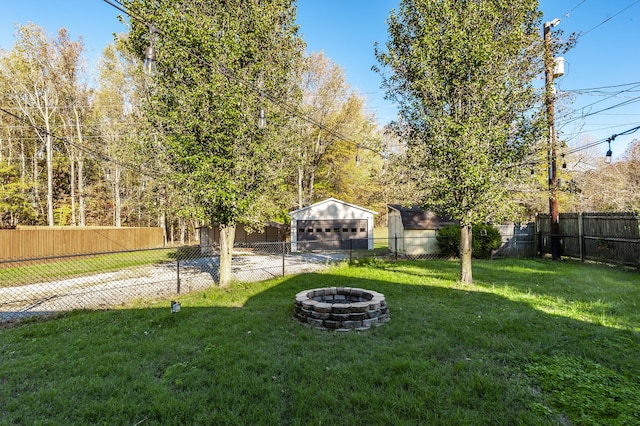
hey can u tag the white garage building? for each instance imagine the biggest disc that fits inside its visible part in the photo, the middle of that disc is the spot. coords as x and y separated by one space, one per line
331 225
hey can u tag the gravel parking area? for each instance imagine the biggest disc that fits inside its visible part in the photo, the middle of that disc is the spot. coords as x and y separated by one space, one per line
109 289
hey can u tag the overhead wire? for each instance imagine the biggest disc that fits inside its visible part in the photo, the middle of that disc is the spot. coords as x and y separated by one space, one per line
566 15
601 141
595 103
144 170
221 68
582 34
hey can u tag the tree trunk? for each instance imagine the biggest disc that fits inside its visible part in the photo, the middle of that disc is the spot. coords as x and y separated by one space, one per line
300 186
81 198
227 237
72 185
466 276
117 199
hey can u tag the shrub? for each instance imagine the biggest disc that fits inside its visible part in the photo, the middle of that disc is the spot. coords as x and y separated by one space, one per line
485 239
449 240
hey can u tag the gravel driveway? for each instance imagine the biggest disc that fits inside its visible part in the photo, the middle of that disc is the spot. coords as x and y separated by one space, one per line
149 282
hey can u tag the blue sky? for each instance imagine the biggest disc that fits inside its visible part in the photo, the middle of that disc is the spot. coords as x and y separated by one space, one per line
607 53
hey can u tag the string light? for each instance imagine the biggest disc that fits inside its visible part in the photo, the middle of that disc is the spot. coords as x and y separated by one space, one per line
222 69
609 154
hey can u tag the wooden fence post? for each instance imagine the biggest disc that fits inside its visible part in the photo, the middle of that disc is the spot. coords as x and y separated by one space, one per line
581 236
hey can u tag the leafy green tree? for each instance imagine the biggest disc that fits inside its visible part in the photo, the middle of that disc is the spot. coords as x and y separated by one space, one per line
222 66
461 72
486 239
322 153
14 205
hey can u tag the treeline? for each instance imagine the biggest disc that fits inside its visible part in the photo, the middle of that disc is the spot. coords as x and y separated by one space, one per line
75 152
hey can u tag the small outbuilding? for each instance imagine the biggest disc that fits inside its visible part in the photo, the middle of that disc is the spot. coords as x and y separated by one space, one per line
332 224
271 233
412 231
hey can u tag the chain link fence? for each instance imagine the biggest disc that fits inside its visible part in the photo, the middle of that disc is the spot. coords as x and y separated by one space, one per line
47 285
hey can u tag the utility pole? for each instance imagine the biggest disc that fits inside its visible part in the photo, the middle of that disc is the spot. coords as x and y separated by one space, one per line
554 214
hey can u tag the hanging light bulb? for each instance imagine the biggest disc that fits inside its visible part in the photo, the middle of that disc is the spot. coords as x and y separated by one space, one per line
609 154
564 162
149 66
262 119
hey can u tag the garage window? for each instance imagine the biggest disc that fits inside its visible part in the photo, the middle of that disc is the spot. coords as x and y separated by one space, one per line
301 230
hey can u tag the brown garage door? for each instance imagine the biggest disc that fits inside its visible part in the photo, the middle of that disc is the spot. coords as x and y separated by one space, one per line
333 234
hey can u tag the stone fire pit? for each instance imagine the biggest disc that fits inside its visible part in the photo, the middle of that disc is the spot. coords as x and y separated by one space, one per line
341 308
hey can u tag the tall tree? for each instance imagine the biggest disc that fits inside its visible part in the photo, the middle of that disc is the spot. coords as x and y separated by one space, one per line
461 72
335 111
43 72
222 67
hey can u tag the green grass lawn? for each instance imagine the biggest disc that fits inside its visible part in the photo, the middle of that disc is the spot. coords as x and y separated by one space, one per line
531 342
14 274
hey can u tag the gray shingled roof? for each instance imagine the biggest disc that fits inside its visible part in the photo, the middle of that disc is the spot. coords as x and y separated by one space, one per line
416 218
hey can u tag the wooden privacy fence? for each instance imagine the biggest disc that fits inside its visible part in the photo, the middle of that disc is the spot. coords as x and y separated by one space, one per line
518 240
31 242
606 237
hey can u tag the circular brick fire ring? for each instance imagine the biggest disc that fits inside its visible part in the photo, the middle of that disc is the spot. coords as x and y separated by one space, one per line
341 308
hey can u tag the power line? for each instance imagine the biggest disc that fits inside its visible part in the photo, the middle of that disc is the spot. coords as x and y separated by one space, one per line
222 69
582 34
601 141
601 87
597 102
621 104
566 15
143 170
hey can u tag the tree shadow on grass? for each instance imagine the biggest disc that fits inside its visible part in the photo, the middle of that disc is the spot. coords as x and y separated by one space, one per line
447 356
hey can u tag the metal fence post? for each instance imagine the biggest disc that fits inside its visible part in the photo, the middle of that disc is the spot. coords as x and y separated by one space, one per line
395 246
284 247
581 236
178 271
350 251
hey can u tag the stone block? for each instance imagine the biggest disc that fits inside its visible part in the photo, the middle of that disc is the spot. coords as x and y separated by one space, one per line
358 316
369 322
323 307
341 308
320 315
359 307
339 317
332 324
315 322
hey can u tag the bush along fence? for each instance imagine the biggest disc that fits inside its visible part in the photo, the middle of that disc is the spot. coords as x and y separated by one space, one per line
602 237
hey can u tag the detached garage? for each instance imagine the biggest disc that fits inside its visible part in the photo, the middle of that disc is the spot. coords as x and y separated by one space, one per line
332 225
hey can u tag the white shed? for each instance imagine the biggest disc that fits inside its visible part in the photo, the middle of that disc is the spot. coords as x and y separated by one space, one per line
331 224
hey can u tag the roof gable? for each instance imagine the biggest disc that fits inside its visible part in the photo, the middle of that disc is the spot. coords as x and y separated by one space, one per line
329 201
417 218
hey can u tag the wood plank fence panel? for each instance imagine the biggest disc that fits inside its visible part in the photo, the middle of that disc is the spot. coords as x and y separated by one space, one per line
606 237
36 242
